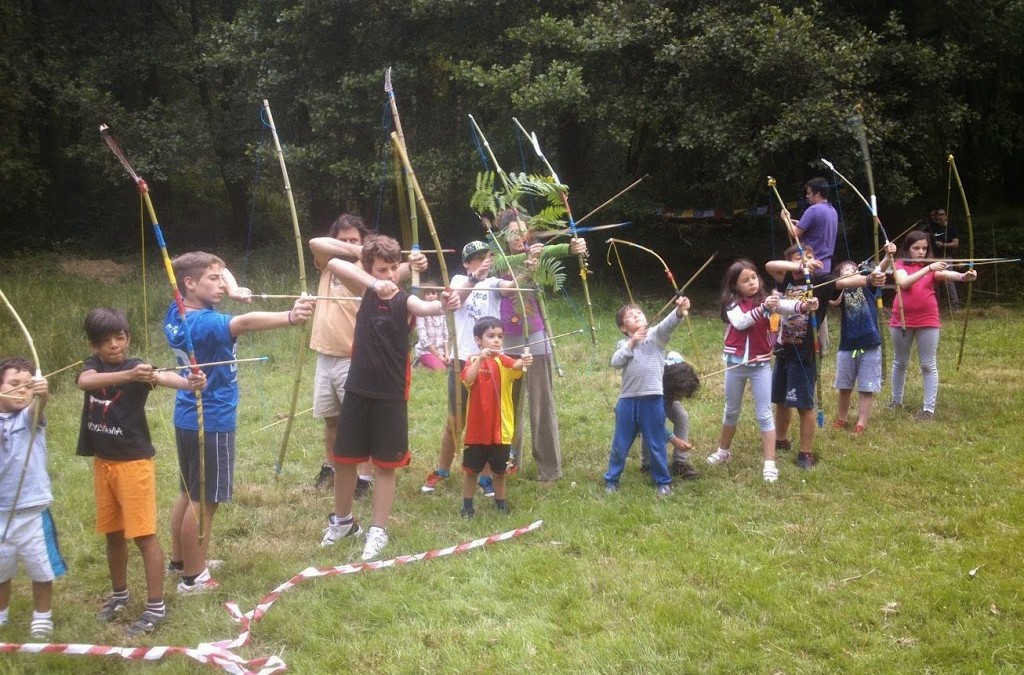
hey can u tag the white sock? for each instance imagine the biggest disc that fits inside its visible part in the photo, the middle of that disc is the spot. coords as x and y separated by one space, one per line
769 463
368 478
4 616
42 615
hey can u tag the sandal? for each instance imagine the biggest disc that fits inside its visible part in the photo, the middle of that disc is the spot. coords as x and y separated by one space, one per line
41 629
859 430
839 425
145 624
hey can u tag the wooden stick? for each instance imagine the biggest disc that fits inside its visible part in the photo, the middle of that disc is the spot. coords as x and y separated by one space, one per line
47 376
211 363
268 296
764 359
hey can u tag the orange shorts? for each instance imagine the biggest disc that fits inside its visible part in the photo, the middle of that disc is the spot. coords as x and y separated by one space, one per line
125 496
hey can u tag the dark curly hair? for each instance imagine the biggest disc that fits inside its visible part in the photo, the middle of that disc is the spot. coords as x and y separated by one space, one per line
680 381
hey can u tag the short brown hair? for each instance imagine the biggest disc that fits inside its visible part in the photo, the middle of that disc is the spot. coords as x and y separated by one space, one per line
620 316
192 265
379 246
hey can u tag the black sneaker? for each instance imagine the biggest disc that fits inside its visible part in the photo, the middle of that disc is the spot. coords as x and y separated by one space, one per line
467 512
325 479
783 444
362 487
924 416
683 469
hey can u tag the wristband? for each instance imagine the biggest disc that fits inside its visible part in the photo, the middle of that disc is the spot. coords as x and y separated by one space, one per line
290 322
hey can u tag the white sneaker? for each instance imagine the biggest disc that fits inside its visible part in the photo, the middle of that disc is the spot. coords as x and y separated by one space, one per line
770 473
204 582
376 540
719 457
338 530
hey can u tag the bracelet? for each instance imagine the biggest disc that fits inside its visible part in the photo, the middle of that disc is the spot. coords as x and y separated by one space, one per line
290 322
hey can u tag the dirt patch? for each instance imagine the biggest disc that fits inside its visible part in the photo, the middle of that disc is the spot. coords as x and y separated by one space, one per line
104 271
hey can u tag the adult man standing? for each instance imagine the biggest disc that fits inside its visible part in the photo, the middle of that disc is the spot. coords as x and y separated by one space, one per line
945 239
818 227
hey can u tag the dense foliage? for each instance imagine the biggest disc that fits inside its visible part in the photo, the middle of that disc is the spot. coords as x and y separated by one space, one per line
707 97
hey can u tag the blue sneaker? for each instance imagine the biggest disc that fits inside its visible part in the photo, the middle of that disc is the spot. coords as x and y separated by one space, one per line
486 486
806 460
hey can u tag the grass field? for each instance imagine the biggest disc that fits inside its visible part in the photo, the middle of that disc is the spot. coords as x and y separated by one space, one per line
901 552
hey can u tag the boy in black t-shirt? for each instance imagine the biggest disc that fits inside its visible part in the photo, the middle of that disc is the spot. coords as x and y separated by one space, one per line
374 414
114 431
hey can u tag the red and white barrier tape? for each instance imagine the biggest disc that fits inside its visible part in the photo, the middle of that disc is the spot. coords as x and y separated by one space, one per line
220 653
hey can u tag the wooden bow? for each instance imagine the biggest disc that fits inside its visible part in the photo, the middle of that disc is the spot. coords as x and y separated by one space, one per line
180 304
971 261
36 412
303 339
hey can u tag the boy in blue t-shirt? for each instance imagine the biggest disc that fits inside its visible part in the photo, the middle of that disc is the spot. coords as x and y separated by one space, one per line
203 282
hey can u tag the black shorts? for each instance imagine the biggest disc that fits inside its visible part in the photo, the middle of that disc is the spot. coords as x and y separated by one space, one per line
475 457
219 464
372 429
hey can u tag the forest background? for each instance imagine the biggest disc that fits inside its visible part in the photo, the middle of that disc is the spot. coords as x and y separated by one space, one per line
706 97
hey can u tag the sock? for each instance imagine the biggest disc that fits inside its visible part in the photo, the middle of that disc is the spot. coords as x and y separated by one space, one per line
367 478
769 463
156 607
178 565
467 503
42 616
121 595
335 520
4 616
443 473
189 580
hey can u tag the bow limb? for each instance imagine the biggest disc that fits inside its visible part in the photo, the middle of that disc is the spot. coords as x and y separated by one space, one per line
179 303
872 207
784 213
455 427
410 193
36 414
584 268
970 265
607 258
303 340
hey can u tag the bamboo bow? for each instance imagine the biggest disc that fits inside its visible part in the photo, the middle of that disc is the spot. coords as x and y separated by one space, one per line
971 262
180 304
303 339
35 415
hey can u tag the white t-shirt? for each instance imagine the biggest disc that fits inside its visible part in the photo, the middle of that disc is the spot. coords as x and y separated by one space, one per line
478 304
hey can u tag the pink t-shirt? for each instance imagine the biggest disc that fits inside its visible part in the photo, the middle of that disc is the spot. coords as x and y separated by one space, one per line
920 306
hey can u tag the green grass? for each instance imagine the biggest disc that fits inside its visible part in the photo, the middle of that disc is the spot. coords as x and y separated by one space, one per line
861 565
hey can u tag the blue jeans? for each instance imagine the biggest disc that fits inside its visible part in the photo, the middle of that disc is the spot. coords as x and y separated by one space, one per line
644 415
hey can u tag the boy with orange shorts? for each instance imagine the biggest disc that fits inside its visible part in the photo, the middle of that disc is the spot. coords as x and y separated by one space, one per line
114 431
